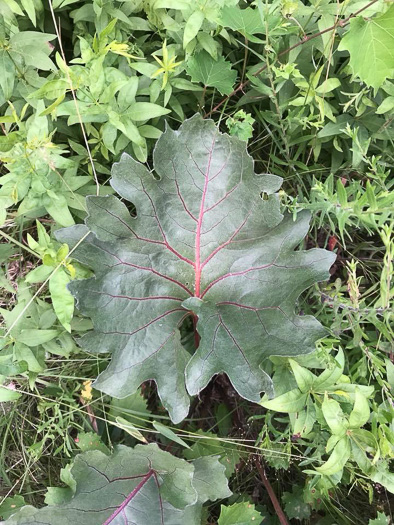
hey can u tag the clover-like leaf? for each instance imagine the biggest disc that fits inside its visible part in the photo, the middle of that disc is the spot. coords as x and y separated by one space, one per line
140 486
204 238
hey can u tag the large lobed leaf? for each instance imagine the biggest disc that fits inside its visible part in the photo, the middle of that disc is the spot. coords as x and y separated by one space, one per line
207 240
140 486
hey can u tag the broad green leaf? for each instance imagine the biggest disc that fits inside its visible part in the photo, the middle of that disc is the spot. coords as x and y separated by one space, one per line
303 376
213 73
169 434
334 416
292 401
360 414
8 394
338 458
239 514
370 43
209 479
31 337
203 242
141 111
34 47
140 486
51 89
62 300
246 21
192 27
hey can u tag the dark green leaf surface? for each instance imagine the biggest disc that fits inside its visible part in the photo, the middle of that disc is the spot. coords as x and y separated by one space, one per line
204 243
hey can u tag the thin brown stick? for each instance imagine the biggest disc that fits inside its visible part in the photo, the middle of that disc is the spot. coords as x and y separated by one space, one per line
271 493
304 40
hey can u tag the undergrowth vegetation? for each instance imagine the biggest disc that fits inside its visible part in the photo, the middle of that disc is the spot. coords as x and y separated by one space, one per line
184 340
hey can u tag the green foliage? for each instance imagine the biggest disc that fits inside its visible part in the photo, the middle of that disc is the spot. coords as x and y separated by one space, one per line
371 47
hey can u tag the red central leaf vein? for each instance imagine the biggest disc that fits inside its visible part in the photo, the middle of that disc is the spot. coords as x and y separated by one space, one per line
132 495
197 264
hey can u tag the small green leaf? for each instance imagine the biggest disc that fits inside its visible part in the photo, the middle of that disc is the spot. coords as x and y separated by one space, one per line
141 111
239 514
386 106
360 414
332 373
125 425
169 434
381 519
192 27
334 416
23 353
90 441
292 401
295 506
62 300
213 73
342 195
303 376
28 6
328 85
338 458
208 43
